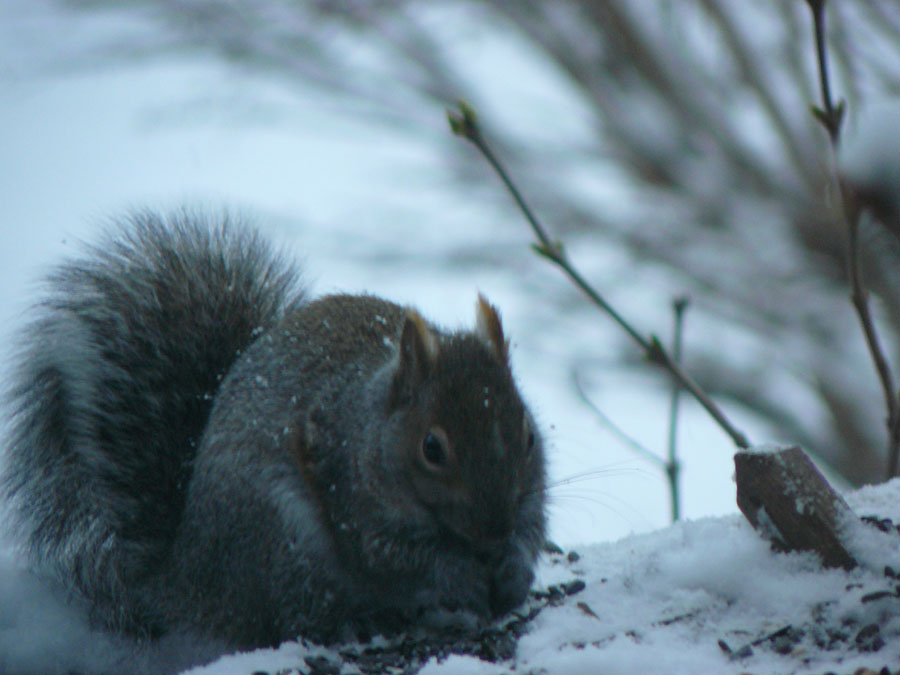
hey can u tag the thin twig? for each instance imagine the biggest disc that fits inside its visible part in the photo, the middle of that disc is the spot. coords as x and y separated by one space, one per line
615 429
464 123
860 299
673 466
831 116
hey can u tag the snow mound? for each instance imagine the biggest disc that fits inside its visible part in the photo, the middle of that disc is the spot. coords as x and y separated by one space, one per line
701 596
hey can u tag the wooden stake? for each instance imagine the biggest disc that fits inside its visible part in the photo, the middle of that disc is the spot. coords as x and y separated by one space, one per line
788 501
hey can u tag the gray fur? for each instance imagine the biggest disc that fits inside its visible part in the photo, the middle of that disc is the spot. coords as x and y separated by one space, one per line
288 499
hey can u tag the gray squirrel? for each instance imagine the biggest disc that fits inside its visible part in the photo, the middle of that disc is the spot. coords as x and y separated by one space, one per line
197 446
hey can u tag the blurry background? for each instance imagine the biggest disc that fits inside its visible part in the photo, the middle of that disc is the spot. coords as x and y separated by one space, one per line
669 144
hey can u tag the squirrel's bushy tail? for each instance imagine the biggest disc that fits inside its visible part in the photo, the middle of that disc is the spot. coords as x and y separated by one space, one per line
116 380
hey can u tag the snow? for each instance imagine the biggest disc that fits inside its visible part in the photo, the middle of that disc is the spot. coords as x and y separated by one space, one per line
662 602
764 449
875 550
656 602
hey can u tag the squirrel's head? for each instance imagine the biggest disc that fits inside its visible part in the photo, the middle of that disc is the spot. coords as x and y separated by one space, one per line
469 447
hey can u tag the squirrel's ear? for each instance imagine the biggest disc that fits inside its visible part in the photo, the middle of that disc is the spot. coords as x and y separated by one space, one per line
417 354
489 328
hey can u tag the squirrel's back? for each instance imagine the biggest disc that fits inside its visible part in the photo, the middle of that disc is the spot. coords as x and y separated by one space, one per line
116 380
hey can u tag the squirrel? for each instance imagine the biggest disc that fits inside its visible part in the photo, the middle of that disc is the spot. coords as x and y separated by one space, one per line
199 446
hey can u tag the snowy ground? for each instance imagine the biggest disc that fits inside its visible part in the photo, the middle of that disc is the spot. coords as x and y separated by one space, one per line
678 600
705 596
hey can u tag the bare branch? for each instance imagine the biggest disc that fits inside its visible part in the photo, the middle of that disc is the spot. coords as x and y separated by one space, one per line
673 466
614 428
831 117
465 123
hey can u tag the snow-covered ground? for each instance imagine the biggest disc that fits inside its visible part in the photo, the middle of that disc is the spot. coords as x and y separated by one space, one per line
705 596
679 599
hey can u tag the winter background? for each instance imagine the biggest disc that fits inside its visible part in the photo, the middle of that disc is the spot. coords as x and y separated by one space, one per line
371 205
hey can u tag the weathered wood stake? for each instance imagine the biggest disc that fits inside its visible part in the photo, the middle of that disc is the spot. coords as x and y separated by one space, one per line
787 500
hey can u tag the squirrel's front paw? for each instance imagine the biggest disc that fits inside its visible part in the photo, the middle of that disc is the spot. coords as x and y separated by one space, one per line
460 584
510 582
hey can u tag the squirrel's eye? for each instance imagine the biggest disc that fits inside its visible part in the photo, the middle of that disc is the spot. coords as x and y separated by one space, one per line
433 450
